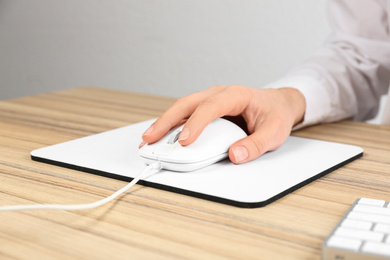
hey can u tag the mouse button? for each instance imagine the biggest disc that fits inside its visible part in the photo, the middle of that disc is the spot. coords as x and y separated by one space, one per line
146 151
192 153
164 149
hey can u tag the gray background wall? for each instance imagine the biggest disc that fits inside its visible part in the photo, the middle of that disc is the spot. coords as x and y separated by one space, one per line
163 47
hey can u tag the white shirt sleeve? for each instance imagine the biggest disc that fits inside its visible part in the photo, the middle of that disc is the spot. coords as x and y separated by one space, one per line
346 77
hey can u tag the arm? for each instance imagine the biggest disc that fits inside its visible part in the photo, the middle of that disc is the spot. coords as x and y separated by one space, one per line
346 77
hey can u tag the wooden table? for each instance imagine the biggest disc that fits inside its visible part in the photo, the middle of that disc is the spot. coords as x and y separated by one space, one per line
153 224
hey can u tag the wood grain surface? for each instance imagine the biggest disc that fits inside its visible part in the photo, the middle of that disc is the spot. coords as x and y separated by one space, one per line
147 223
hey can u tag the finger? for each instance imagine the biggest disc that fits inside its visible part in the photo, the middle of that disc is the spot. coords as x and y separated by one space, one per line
266 138
230 101
177 114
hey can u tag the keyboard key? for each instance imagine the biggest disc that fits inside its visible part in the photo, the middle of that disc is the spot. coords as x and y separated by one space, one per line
371 202
376 248
357 224
369 217
359 234
372 209
343 242
384 228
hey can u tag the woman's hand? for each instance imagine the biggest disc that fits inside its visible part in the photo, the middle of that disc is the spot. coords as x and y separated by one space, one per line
270 114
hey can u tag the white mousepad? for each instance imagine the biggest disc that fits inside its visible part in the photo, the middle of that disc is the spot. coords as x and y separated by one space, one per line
296 163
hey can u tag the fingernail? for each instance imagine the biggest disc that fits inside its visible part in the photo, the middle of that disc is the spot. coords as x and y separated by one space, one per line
148 131
184 134
240 153
141 144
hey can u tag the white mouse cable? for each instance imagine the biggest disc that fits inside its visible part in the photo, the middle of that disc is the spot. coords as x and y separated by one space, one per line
154 166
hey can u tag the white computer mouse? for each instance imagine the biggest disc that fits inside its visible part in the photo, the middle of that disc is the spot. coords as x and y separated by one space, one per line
210 147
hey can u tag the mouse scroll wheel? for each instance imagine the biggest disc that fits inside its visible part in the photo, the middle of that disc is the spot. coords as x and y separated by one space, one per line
174 137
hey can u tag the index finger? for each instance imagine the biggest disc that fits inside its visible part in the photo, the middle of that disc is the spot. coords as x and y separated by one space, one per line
177 114
231 101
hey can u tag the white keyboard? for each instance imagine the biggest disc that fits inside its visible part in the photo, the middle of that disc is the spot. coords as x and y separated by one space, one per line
363 233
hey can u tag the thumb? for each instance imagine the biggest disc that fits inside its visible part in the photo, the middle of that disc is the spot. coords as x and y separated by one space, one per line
254 145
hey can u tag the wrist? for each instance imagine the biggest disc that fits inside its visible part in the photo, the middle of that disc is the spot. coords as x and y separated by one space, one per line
297 103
